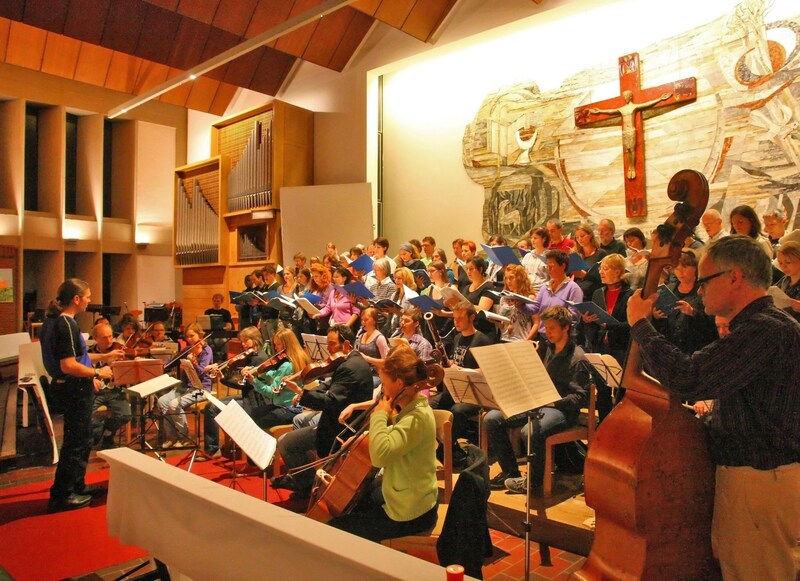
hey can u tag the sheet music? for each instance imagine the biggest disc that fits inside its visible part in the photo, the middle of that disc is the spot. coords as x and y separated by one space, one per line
191 374
516 376
451 296
607 368
469 386
780 298
129 372
151 386
256 443
214 401
306 305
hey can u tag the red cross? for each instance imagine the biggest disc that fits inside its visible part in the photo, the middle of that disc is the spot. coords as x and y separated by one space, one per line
650 102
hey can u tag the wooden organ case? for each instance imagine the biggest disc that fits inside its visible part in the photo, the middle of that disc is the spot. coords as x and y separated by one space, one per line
227 208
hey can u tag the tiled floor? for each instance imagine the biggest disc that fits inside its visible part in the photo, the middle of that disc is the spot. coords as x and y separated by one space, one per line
507 564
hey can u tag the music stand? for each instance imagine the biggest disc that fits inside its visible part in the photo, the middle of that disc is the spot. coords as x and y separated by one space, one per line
144 390
194 381
316 345
257 444
518 381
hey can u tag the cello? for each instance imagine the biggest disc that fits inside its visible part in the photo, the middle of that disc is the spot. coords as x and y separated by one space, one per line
345 475
648 472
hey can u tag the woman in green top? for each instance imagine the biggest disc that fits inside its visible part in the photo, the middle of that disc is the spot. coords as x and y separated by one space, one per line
276 408
402 441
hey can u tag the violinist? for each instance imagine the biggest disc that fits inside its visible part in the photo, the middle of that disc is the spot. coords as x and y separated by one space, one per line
351 383
158 334
170 405
107 394
276 403
129 331
253 354
402 441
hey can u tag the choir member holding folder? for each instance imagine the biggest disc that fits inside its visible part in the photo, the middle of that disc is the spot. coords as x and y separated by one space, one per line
610 337
685 324
559 290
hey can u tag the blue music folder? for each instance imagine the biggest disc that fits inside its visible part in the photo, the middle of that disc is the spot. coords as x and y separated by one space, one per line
426 304
666 300
359 289
594 309
502 255
576 262
363 263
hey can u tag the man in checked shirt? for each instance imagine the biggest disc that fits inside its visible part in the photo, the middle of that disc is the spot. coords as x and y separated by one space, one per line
754 377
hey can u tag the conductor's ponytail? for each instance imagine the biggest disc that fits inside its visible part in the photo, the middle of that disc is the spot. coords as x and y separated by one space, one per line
68 290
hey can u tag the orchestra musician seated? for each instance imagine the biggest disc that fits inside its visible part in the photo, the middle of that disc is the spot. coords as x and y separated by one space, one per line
113 398
569 370
275 406
402 441
252 355
172 424
466 338
351 383
158 334
129 331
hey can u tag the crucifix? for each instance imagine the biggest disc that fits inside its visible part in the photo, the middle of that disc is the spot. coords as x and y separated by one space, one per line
628 109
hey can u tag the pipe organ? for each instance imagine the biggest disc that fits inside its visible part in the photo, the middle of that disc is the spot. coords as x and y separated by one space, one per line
252 242
250 180
197 228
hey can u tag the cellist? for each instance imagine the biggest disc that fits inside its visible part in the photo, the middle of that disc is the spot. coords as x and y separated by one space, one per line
755 424
402 441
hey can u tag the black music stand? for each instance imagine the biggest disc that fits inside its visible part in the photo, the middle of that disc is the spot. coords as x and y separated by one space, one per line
145 390
316 345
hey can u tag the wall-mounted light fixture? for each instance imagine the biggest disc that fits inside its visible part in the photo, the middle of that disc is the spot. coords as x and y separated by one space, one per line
262 215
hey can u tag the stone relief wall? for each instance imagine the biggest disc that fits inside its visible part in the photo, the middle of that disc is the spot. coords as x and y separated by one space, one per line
742 132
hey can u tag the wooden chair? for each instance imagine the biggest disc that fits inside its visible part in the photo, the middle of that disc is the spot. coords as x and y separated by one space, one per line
587 424
276 432
444 435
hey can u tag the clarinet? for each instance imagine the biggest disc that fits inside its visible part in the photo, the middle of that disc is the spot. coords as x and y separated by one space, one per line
439 353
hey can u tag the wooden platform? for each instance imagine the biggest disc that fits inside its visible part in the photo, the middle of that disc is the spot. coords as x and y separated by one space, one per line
559 521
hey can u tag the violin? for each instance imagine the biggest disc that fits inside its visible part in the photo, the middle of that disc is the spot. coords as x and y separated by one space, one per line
190 350
314 370
345 475
270 363
217 371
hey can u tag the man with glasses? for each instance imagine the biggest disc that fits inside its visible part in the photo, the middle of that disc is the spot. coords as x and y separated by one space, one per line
752 374
351 383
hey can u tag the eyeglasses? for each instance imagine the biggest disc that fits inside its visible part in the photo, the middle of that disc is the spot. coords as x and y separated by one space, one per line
701 282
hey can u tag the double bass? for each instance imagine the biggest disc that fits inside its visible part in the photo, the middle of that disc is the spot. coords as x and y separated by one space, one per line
345 475
648 473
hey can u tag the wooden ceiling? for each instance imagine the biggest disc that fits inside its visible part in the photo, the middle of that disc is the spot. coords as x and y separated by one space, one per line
134 45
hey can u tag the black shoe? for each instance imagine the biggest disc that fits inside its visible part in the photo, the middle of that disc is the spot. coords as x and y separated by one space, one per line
286 481
72 502
499 481
300 495
94 490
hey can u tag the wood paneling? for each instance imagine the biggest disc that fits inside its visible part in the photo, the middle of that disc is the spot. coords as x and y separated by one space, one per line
92 65
234 15
201 10
47 14
60 55
295 42
178 95
267 14
189 44
123 72
426 17
150 75
159 29
202 93
394 12
86 20
131 45
222 98
352 39
123 25
327 36
25 46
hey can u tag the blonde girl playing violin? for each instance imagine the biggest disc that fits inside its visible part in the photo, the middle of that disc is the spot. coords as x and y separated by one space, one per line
173 425
402 441
277 408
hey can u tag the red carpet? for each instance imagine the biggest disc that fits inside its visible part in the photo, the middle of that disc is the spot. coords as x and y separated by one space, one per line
36 546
